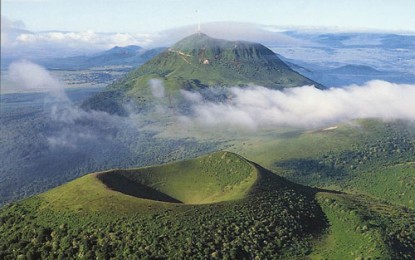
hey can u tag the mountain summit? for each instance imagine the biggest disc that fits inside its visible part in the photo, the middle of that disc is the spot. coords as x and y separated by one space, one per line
203 44
199 61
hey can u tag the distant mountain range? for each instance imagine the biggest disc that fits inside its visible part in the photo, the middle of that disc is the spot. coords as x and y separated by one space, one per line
355 70
129 56
118 56
347 74
338 39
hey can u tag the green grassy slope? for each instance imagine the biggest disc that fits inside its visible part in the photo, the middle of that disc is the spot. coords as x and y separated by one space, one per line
349 236
365 157
393 183
269 217
216 177
363 227
370 157
199 61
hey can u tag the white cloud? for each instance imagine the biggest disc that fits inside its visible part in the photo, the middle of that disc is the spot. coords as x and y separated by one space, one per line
10 30
18 42
156 87
233 31
83 39
194 97
95 40
256 107
29 76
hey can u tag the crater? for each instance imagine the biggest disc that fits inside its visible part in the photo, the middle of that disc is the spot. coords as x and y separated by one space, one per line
220 176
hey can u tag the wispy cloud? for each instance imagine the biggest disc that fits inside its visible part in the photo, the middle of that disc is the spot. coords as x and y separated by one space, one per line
30 76
70 126
156 87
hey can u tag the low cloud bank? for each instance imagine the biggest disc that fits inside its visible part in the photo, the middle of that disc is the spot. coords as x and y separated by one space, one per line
83 39
18 42
249 108
256 106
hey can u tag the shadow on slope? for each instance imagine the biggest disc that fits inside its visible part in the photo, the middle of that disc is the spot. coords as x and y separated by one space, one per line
117 182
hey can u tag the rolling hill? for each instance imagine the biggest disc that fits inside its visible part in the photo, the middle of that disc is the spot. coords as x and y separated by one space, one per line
198 62
218 205
213 178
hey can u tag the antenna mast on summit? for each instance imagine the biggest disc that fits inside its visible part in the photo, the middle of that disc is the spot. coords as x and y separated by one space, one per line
198 24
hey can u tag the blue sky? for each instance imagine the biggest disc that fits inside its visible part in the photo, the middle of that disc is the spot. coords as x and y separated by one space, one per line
156 15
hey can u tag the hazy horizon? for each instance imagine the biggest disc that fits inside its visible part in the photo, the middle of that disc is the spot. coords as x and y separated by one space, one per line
104 24
158 15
